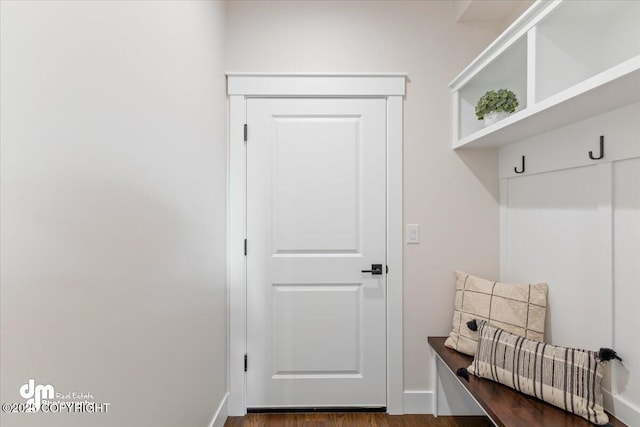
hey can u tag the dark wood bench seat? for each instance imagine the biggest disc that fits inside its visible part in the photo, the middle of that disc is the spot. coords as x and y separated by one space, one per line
503 405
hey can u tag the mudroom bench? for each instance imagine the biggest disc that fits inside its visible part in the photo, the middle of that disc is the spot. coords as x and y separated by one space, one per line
504 406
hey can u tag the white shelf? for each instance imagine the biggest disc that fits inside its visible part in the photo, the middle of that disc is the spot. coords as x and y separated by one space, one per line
560 72
610 90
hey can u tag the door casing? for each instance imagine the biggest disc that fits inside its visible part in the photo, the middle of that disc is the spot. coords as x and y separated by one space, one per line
241 86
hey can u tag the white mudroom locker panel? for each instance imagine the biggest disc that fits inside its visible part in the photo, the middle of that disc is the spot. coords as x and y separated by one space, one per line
572 219
553 227
626 273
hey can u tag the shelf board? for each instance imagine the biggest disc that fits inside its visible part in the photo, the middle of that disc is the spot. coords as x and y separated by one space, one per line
612 89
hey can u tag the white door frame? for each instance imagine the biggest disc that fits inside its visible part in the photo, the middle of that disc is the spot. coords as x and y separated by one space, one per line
241 86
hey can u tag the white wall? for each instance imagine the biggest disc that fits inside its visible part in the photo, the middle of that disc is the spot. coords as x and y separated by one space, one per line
113 208
452 195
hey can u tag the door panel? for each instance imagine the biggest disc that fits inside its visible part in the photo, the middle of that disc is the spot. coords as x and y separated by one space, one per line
316 215
316 325
310 343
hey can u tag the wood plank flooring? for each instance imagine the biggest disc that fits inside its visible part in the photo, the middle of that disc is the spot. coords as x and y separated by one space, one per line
354 420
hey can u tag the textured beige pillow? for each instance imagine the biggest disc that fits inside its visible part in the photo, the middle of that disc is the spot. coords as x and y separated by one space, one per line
519 309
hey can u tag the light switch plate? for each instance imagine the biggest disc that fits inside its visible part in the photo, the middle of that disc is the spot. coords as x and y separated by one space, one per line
413 234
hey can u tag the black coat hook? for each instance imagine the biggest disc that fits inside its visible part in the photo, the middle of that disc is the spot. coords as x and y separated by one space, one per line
522 169
592 157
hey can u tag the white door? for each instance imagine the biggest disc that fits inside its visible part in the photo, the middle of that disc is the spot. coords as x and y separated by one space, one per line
316 324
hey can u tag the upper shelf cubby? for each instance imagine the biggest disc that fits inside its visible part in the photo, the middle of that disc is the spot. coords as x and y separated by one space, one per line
565 60
581 39
508 71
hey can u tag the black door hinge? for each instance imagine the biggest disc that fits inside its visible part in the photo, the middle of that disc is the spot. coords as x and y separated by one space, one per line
245 363
387 269
245 247
245 132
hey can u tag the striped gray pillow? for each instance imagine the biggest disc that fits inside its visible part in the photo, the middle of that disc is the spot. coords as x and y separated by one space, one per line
565 377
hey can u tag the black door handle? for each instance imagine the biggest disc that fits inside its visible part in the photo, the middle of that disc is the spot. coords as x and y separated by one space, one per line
376 269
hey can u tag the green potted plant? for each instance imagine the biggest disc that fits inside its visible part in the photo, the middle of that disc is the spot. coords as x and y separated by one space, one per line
496 105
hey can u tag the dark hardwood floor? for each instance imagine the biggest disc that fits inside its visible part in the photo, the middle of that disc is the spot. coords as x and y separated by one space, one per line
354 420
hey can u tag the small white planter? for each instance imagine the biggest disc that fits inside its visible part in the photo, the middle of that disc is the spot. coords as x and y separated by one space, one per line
494 116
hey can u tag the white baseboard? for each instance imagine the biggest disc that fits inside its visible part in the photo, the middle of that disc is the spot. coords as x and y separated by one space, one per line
417 401
222 413
624 410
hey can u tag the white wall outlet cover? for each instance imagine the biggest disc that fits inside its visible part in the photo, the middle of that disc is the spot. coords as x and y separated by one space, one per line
413 233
